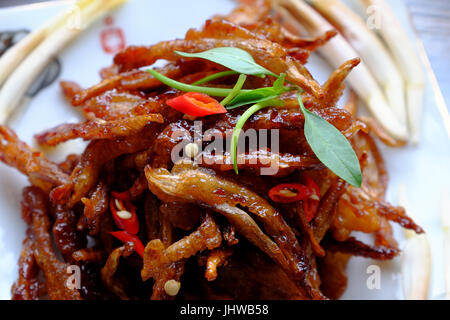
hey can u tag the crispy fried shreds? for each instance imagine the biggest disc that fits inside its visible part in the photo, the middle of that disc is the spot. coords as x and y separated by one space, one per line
216 258
96 129
95 206
249 11
26 287
55 272
308 231
110 268
357 248
376 129
172 271
224 197
70 89
327 208
97 153
70 163
335 84
384 236
229 234
332 273
207 236
138 188
134 80
65 234
396 214
184 216
265 52
132 135
89 255
40 171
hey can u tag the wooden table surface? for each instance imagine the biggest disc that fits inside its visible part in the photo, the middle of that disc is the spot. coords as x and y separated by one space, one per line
432 21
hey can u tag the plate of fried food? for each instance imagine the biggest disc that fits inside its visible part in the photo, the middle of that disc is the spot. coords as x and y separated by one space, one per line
219 149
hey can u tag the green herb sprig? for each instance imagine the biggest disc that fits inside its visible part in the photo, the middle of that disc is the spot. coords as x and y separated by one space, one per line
331 147
328 143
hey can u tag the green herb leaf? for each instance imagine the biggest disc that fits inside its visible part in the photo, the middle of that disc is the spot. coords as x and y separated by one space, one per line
260 94
233 58
240 124
215 92
331 147
235 91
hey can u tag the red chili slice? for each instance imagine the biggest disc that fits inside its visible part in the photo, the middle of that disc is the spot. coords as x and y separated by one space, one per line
196 104
127 237
131 224
289 192
311 204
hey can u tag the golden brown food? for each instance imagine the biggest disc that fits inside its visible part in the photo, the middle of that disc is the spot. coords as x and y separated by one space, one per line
200 231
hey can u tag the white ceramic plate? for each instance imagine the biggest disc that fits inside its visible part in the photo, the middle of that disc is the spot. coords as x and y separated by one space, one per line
423 169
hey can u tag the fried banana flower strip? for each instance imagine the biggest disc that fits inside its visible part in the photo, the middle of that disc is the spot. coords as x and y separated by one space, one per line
97 153
207 236
96 129
26 287
40 171
96 206
34 205
223 196
358 248
110 268
216 258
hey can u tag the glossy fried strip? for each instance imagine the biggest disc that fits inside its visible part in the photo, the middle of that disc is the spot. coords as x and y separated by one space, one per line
358 248
398 215
97 129
207 236
335 84
34 205
216 258
65 233
26 287
96 154
327 206
89 255
132 80
40 171
223 196
96 205
110 268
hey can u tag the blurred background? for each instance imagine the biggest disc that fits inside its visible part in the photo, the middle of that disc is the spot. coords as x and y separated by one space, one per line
431 19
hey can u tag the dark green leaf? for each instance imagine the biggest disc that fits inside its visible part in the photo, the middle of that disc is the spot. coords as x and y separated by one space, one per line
331 147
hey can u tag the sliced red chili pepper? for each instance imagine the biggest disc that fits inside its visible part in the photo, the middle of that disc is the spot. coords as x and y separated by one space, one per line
289 192
131 224
196 104
311 204
127 237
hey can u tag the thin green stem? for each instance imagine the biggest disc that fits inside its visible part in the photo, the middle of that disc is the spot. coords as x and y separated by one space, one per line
215 92
240 124
235 91
215 76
